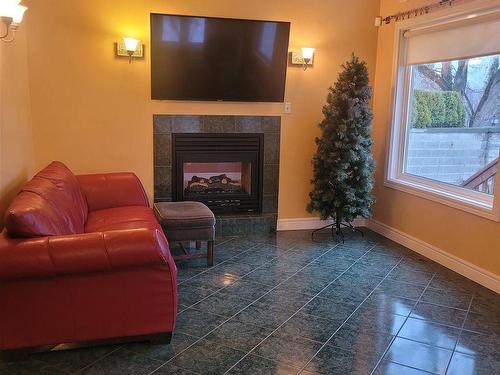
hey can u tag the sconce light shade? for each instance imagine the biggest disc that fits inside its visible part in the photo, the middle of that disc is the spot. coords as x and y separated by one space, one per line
307 53
131 44
129 47
18 14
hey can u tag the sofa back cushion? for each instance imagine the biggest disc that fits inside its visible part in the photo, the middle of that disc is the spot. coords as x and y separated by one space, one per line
51 204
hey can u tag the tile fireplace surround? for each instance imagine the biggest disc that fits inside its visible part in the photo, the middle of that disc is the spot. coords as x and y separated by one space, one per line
230 224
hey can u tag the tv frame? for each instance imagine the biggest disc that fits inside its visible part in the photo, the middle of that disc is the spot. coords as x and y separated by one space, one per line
210 99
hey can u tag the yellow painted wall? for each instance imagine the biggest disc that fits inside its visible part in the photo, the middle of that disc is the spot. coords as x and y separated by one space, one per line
16 140
94 112
464 235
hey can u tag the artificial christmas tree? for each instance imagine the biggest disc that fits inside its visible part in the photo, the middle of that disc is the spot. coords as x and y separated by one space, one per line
343 164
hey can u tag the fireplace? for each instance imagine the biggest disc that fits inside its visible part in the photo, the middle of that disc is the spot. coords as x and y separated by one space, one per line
223 170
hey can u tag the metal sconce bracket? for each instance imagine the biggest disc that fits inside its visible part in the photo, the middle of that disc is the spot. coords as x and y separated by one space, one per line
10 29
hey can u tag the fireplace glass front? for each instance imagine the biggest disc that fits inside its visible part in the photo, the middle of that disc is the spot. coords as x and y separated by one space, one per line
224 171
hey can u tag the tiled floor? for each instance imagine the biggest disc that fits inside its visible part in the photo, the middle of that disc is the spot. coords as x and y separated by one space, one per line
284 304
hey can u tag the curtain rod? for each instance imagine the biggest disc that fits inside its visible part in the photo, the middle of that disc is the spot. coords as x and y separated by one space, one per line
400 16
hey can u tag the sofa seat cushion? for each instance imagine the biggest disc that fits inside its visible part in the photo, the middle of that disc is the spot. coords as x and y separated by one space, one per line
51 204
120 218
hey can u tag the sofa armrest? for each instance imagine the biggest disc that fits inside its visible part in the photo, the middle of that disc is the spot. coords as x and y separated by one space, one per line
110 190
83 253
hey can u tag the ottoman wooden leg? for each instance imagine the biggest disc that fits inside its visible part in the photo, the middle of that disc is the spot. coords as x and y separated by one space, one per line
210 253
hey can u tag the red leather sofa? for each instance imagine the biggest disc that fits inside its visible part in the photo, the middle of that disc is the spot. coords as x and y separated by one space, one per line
83 258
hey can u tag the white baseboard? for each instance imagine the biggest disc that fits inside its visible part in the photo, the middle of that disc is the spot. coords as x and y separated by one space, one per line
479 275
309 223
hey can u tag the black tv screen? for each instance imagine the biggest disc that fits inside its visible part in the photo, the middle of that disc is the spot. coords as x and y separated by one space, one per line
205 58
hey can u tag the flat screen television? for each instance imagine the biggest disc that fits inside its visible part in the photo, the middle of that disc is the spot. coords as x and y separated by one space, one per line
207 58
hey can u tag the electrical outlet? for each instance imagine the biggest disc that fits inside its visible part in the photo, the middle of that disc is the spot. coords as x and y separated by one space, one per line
288 107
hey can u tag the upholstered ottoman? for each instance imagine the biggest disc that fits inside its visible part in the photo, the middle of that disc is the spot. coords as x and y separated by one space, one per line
188 221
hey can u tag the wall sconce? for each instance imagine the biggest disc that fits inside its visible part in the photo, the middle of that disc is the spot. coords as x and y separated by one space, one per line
11 15
303 58
307 56
131 48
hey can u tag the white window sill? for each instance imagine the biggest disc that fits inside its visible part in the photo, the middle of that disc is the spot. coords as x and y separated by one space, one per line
483 207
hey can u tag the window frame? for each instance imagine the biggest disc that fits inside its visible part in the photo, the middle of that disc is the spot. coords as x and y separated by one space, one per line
484 205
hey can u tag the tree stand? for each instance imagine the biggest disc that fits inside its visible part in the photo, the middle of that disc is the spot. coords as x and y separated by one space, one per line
336 229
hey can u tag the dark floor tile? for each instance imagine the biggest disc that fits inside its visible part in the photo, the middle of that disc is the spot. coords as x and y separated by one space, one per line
449 280
208 358
291 350
365 269
254 365
212 280
411 266
463 364
451 298
264 276
321 271
335 361
485 323
280 266
122 362
190 294
439 314
180 341
416 262
311 327
474 343
286 298
234 269
363 320
329 309
389 247
222 304
356 340
239 335
418 355
292 258
415 277
400 289
388 304
353 293
168 369
333 264
30 366
391 368
246 289
485 303
430 333
253 258
306 284
314 250
352 281
235 246
263 315
197 323
187 273
75 359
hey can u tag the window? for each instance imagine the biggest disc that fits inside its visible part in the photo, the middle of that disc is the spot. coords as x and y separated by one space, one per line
445 139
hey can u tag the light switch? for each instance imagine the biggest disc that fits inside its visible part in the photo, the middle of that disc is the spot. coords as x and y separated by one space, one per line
288 107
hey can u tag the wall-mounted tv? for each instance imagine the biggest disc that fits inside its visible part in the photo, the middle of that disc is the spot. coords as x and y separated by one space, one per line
207 58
